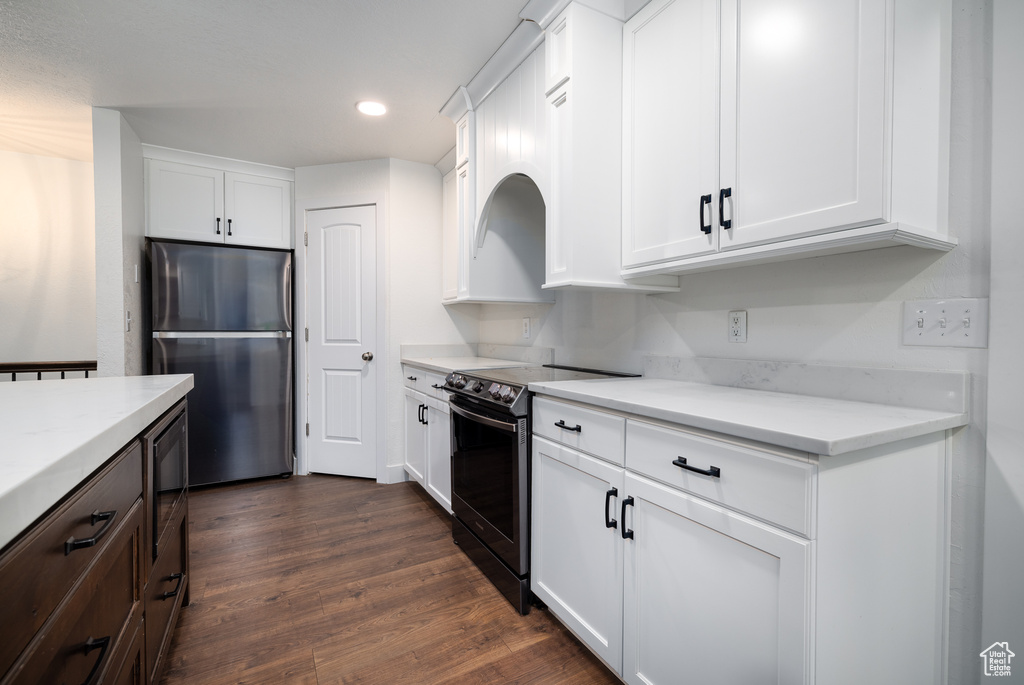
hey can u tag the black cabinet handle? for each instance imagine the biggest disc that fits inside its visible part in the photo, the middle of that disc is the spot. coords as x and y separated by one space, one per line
626 534
425 409
71 544
712 471
561 424
610 522
722 221
435 386
218 225
174 593
705 201
412 378
419 413
101 644
229 226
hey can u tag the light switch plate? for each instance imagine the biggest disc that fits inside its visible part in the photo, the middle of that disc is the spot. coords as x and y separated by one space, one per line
946 323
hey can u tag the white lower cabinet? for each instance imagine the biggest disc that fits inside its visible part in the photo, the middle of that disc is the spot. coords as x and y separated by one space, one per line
665 559
710 596
576 557
428 445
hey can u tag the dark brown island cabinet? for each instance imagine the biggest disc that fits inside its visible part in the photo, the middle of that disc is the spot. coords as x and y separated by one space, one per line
92 590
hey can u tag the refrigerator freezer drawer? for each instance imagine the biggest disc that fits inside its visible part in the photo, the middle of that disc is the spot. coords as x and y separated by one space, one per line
240 411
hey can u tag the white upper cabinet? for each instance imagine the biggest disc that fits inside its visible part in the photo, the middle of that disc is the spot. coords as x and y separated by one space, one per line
184 202
769 130
258 210
189 202
583 214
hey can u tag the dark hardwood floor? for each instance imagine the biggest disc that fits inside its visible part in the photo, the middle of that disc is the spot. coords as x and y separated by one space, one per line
323 579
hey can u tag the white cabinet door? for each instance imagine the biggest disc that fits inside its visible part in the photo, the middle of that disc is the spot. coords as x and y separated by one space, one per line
258 211
184 202
670 131
576 562
450 237
711 596
415 436
439 453
803 118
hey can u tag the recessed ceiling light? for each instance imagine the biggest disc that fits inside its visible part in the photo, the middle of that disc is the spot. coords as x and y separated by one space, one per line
371 108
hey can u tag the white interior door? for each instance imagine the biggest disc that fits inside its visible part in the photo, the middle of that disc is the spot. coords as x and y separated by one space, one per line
341 286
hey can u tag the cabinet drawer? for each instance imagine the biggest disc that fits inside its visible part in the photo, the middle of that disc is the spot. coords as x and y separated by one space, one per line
87 631
423 381
587 430
772 488
39 570
165 591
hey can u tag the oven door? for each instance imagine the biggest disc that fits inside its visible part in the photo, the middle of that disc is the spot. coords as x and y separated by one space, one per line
490 478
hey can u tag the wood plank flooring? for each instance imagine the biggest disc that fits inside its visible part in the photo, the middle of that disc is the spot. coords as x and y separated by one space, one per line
324 580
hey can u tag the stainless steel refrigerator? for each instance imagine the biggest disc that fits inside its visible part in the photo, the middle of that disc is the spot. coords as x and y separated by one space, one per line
224 314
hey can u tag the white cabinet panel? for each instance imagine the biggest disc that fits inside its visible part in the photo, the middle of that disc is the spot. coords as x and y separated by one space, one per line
450 237
711 595
415 436
184 202
576 563
439 453
670 131
803 118
258 210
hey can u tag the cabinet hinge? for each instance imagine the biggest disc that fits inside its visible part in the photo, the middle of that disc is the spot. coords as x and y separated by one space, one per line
307 334
305 239
307 430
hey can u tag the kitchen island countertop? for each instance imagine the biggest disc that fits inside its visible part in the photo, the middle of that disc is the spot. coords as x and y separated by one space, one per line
56 433
818 425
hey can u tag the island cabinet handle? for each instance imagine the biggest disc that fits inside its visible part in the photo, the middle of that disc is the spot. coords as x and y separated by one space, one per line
561 424
626 534
608 521
712 471
71 544
101 644
174 593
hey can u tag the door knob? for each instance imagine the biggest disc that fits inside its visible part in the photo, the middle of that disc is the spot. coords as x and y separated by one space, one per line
367 356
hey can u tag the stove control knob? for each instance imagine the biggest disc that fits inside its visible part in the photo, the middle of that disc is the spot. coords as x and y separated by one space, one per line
495 390
450 380
478 386
507 395
460 382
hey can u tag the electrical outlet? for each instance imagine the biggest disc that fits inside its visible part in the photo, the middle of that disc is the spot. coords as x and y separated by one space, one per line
127 321
946 323
738 326
526 327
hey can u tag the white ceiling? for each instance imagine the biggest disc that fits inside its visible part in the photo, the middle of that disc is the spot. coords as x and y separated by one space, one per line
270 81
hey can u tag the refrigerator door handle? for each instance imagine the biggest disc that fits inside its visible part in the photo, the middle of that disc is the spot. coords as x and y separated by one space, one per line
222 334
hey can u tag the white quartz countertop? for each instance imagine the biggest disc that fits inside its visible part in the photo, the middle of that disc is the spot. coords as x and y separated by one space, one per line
446 365
55 433
811 424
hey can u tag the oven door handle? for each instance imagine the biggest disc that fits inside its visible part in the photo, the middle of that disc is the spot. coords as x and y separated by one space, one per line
487 421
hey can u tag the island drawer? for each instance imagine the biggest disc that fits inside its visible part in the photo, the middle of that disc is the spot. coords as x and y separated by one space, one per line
594 432
165 594
770 487
38 570
85 637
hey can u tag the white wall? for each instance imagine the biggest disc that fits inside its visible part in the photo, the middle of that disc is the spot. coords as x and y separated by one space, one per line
412 293
1003 606
843 309
119 245
47 274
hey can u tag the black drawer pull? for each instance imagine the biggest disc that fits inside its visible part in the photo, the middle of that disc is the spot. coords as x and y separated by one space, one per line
435 386
411 378
174 593
712 471
705 200
722 221
101 644
561 424
218 225
229 226
626 534
610 522
72 544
